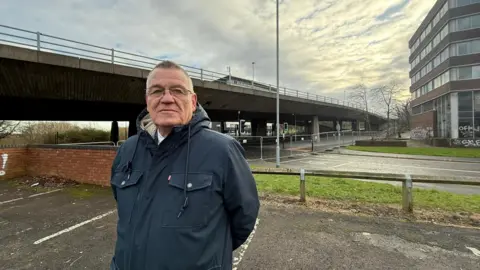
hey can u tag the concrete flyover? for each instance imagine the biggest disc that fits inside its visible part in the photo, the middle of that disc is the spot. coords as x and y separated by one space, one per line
34 79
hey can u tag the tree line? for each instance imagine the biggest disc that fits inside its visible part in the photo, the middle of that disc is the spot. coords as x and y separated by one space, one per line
14 132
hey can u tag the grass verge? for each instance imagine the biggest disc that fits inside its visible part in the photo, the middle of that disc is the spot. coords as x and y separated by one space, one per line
367 192
426 151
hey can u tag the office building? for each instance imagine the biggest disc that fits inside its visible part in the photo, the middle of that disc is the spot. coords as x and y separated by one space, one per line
445 70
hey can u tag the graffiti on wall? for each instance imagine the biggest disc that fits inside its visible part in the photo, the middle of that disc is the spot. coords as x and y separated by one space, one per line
465 143
421 133
467 131
4 164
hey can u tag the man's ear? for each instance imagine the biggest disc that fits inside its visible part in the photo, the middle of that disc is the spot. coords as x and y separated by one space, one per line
194 102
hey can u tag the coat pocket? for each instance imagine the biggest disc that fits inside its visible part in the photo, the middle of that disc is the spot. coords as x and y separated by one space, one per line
199 193
127 190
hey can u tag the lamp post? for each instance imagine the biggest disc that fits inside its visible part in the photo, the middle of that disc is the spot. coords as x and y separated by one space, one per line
278 98
238 119
229 74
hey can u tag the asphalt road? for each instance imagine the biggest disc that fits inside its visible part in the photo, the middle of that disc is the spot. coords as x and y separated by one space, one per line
338 162
254 151
59 231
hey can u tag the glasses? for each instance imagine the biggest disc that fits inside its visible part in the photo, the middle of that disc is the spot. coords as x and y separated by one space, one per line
175 91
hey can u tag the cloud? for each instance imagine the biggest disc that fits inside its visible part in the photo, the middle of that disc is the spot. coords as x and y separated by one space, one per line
326 46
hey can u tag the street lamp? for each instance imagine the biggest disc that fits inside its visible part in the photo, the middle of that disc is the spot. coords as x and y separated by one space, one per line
229 74
278 98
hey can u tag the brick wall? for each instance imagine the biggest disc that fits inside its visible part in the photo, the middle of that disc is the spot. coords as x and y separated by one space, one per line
424 120
16 165
84 164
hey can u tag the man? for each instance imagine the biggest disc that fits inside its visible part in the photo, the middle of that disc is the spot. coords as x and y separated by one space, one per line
186 197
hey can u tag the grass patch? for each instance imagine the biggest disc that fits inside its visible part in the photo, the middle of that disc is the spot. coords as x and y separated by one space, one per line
84 191
359 191
426 151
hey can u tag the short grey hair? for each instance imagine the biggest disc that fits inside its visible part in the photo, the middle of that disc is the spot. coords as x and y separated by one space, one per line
167 64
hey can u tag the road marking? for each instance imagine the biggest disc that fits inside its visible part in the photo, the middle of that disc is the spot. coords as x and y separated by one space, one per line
243 248
370 163
31 196
340 165
475 251
44 193
73 227
13 200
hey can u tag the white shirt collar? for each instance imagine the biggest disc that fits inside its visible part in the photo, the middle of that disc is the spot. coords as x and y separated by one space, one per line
160 137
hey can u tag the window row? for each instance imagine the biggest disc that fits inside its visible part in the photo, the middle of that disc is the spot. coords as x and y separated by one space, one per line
456 49
453 74
460 3
435 83
429 27
432 44
459 24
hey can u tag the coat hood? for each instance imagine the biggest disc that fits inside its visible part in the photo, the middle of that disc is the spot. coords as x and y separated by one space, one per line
199 119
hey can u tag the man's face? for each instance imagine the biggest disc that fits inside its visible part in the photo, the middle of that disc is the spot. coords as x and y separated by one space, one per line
170 102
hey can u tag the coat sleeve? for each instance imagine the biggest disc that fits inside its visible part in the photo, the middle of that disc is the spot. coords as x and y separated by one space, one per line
240 195
115 163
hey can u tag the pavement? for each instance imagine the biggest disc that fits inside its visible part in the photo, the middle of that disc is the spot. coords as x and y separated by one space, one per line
378 164
75 229
403 156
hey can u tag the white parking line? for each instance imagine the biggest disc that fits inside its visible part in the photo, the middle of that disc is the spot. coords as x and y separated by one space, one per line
13 200
40 194
73 227
31 196
243 248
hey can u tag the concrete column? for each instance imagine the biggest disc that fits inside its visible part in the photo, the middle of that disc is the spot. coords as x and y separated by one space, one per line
454 115
114 132
354 125
259 127
315 128
132 127
222 127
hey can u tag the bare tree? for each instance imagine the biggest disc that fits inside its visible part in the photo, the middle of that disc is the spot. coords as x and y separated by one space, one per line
362 94
386 95
7 128
41 132
402 110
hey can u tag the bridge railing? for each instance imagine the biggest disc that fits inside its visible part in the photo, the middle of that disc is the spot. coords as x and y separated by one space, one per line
48 43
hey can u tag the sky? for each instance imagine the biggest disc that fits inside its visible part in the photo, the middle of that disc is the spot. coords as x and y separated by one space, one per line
326 46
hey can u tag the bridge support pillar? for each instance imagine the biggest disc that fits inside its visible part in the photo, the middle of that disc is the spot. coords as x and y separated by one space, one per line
114 135
315 128
132 127
259 127
354 125
222 127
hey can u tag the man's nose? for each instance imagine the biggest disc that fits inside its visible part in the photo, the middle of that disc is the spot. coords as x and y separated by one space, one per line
167 97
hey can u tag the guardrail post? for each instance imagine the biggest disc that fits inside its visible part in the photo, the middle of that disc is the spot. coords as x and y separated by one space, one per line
261 148
201 74
407 198
302 185
113 56
38 41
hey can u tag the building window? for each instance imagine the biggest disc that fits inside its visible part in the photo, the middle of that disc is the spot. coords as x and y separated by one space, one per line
417 110
465 119
463 23
462 3
464 73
